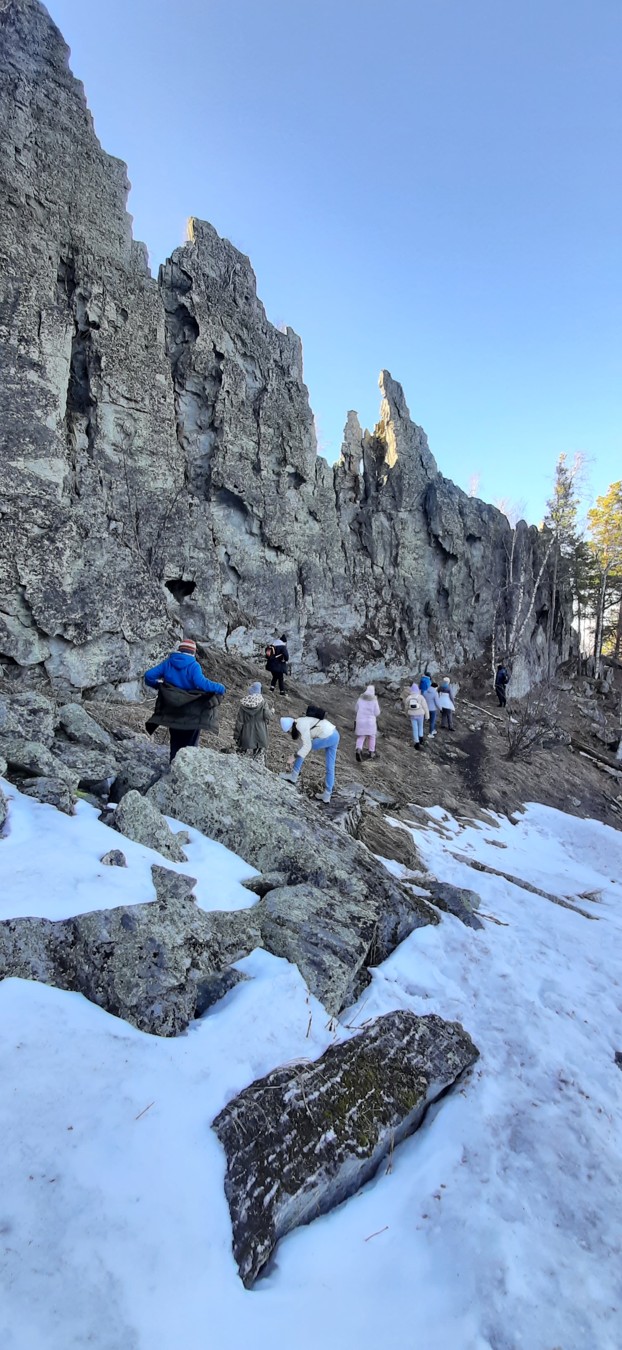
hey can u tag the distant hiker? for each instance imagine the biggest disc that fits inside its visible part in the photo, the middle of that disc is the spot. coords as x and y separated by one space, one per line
430 694
502 679
251 728
366 728
314 732
277 661
417 710
187 702
448 707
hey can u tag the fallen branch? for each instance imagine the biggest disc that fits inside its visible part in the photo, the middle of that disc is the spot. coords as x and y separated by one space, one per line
476 706
377 1233
481 915
145 1109
523 885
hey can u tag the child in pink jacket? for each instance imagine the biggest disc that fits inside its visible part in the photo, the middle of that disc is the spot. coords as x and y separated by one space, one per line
367 710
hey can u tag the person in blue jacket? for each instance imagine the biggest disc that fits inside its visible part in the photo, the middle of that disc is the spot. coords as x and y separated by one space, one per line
182 705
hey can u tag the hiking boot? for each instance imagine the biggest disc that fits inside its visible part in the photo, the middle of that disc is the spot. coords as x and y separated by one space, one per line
289 777
372 754
325 796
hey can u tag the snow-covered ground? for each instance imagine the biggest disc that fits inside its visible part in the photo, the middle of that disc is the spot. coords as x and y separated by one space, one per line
498 1225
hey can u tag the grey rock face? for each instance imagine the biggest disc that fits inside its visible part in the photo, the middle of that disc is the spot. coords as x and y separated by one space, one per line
138 819
159 457
50 792
456 900
326 1126
155 964
3 766
340 910
4 808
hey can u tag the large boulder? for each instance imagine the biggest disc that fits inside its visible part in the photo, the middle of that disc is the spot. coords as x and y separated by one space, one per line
342 897
33 759
95 769
138 819
25 717
326 1126
50 792
79 726
141 763
155 964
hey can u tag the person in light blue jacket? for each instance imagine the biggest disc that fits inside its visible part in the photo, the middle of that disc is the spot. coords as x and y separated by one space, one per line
431 696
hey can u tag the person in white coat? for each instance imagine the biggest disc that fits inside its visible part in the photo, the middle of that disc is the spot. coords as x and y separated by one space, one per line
448 706
314 732
366 727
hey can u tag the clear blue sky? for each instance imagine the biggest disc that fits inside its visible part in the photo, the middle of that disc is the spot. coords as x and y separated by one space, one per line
432 186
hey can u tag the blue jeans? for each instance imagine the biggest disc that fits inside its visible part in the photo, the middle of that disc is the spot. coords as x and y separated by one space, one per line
329 744
432 720
417 726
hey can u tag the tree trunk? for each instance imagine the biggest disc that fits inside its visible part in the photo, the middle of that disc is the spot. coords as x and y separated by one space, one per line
618 647
600 619
551 619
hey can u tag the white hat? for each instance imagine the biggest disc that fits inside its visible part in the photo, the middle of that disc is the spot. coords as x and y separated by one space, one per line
287 723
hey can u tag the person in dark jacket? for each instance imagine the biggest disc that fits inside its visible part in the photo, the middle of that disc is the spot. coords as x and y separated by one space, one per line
187 702
502 680
277 661
251 728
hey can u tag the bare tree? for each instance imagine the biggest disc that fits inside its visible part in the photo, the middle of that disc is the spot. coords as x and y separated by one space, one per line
532 722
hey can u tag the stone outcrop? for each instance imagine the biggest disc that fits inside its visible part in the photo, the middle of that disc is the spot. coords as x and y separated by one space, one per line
159 457
137 818
157 965
339 910
326 1126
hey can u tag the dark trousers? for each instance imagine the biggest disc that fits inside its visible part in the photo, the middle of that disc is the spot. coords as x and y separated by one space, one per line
500 692
447 718
277 678
180 739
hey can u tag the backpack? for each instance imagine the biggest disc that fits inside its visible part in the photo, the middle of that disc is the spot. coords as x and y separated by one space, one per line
269 655
314 711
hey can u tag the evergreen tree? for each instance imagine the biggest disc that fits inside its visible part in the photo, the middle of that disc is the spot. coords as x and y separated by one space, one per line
605 529
562 510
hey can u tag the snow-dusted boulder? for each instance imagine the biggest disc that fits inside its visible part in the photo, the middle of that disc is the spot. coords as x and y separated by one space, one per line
138 819
326 1126
50 791
157 965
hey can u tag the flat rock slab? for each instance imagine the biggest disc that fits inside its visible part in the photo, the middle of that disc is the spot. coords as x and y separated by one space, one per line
308 1136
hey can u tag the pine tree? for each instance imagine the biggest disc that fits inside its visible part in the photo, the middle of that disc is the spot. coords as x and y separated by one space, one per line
561 519
605 529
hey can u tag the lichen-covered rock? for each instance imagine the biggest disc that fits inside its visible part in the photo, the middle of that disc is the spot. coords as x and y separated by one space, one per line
50 792
205 504
326 1126
25 717
114 858
34 759
4 808
457 900
141 764
341 896
138 819
79 726
153 964
3 766
94 769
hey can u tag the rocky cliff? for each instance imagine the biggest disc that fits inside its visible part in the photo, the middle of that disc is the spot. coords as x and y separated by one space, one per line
159 460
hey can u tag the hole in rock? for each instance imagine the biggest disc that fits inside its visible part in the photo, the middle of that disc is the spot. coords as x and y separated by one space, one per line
180 589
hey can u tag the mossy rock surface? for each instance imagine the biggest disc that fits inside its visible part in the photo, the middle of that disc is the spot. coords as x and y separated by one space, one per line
308 1136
